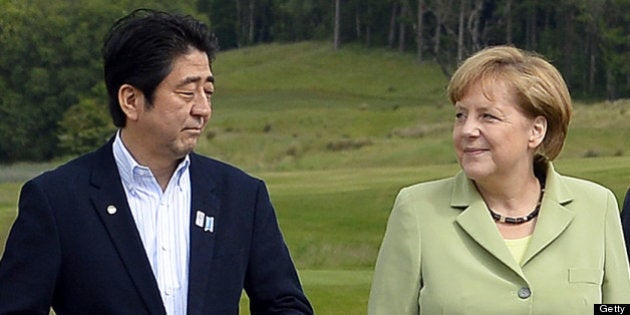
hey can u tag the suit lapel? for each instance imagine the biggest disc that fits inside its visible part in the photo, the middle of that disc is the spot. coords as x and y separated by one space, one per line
108 194
554 218
207 204
476 221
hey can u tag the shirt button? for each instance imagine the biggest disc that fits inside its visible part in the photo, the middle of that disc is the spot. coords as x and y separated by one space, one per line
524 293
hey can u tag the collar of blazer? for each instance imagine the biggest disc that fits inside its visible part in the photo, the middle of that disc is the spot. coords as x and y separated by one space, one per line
476 221
203 198
107 192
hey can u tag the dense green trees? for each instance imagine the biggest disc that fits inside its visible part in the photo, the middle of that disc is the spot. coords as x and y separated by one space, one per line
50 72
47 60
50 62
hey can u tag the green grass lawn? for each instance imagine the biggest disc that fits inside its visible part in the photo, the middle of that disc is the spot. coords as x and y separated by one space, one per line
335 135
333 220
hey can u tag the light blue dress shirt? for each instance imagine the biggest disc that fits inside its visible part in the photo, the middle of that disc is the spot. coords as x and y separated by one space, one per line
163 222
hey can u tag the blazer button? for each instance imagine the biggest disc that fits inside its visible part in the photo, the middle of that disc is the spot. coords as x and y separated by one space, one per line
524 292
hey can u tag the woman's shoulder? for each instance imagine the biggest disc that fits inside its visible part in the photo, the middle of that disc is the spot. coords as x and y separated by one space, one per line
431 185
583 186
566 187
437 188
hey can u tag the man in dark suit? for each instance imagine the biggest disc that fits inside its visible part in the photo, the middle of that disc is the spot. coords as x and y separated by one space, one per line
143 225
625 220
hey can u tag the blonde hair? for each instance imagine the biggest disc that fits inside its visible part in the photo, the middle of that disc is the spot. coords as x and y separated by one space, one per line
538 88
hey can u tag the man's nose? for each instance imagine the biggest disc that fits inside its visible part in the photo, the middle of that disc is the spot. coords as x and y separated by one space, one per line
202 106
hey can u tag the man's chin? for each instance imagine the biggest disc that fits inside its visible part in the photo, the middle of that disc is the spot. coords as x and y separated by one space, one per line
184 149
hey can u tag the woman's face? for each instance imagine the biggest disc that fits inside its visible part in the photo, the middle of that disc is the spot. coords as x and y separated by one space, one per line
493 139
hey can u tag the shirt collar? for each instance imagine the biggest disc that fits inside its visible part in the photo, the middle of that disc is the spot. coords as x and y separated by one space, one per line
131 172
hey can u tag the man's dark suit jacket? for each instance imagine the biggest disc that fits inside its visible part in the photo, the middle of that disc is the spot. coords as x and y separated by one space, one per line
625 220
66 250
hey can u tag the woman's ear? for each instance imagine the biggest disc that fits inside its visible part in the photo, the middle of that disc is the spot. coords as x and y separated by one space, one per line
539 130
131 101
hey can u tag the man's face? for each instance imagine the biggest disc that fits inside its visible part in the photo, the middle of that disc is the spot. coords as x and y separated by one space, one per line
181 107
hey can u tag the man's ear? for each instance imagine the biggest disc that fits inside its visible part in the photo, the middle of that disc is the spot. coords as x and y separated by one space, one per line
131 101
539 130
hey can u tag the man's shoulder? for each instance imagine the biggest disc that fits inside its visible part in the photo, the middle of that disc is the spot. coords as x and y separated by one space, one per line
73 168
218 169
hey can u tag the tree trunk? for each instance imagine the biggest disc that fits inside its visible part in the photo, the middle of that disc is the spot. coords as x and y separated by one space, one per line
591 72
251 21
337 40
419 31
368 25
357 24
445 57
568 51
402 27
474 25
438 31
460 32
442 9
392 25
531 41
610 85
239 24
508 22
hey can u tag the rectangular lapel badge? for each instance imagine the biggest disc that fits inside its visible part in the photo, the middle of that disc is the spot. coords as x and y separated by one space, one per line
199 219
209 227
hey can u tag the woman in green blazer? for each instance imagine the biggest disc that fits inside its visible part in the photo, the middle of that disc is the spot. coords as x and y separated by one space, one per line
507 234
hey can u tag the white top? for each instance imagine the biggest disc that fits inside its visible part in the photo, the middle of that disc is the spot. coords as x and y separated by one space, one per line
163 222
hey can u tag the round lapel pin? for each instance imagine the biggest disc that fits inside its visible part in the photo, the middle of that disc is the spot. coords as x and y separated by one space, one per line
111 209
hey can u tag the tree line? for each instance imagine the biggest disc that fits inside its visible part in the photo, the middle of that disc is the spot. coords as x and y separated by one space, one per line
50 67
588 40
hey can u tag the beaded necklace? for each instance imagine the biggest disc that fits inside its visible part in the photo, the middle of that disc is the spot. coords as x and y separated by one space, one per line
519 220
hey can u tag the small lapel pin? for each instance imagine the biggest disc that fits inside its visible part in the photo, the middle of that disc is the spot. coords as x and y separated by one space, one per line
209 227
199 219
111 209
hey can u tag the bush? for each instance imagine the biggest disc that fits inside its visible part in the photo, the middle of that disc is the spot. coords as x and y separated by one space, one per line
85 126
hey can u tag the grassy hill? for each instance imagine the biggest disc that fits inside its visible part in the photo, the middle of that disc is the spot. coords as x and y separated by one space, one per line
305 106
335 135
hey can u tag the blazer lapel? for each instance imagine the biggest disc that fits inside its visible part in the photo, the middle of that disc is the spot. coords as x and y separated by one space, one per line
554 217
476 221
110 203
206 205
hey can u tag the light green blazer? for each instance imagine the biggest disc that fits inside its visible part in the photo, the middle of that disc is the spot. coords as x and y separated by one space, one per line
443 254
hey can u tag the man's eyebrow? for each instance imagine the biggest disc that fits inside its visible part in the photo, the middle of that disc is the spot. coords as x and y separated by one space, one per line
195 79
